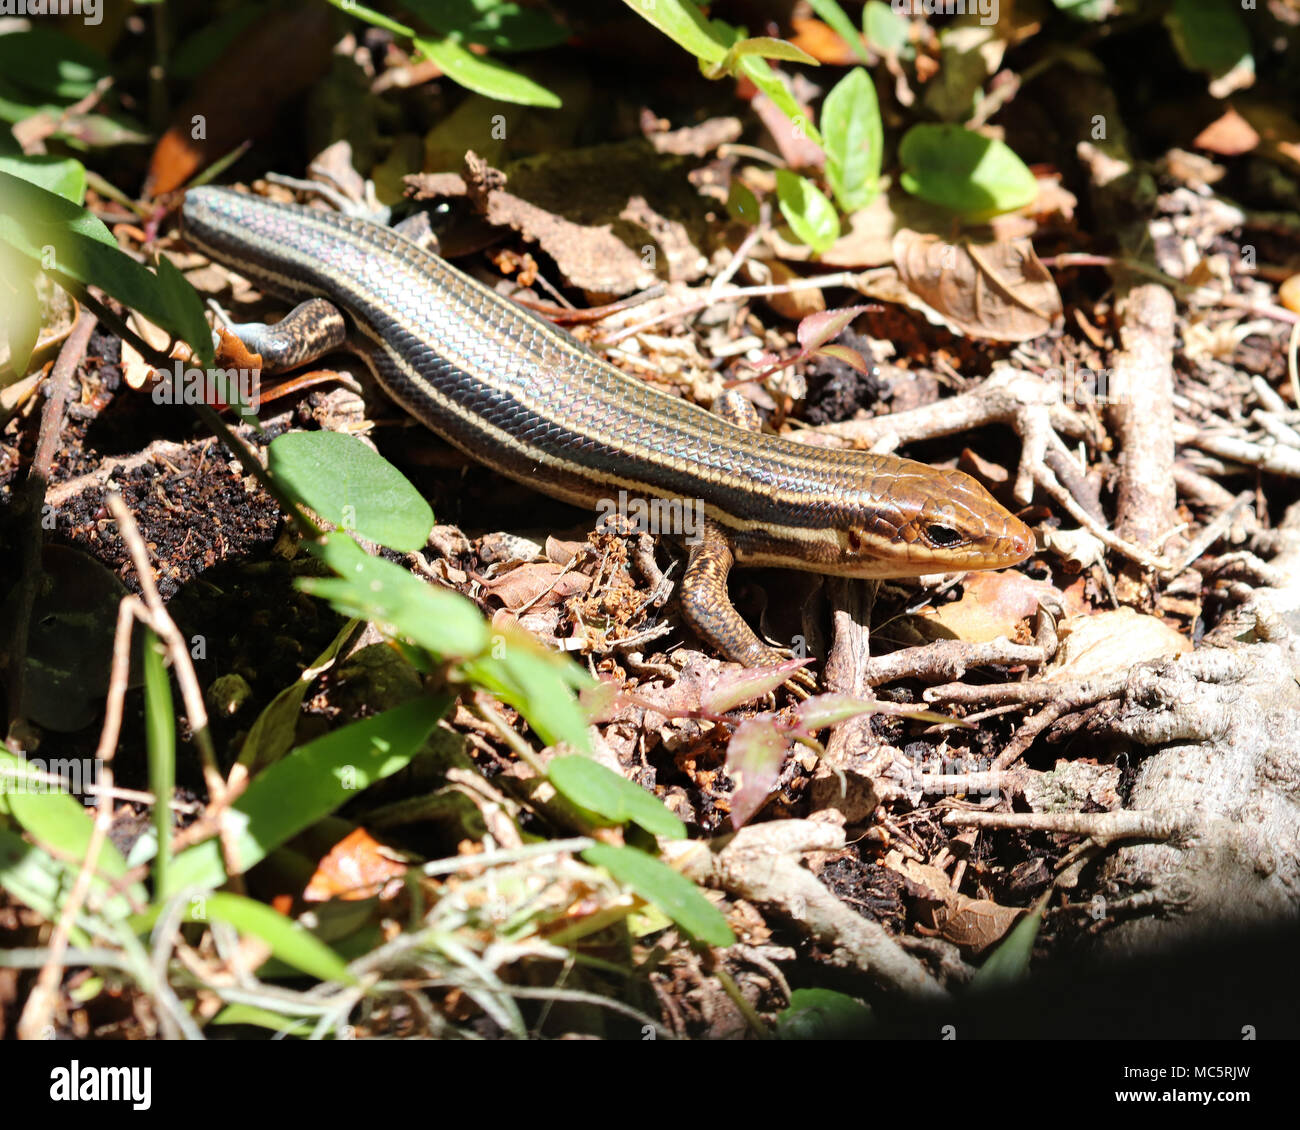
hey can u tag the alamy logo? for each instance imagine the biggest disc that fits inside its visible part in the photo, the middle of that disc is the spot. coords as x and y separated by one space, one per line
674 517
219 388
89 9
987 10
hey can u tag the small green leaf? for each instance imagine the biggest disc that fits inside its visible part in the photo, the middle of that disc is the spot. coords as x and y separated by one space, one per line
810 215
287 940
822 1014
761 74
684 24
854 140
766 47
540 684
20 314
1210 35
833 15
667 889
353 486
313 781
485 76
742 205
373 589
887 30
590 785
964 171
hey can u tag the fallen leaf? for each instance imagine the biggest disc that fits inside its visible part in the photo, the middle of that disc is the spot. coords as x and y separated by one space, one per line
357 867
1229 135
999 291
1106 642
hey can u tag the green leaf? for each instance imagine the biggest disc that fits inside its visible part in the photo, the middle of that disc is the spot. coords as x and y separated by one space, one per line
64 176
70 243
667 889
353 486
760 73
400 604
1010 961
854 140
810 215
832 14
590 785
963 171
485 76
272 733
60 826
288 941
540 684
766 47
51 63
313 781
887 30
263 1018
1210 35
206 45
684 24
742 204
822 1014
497 24
160 741
20 312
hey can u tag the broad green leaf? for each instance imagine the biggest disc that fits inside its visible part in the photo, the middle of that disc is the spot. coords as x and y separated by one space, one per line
51 63
64 176
353 486
68 241
37 880
1210 35
964 171
540 684
373 589
810 215
834 16
684 24
590 785
311 782
742 204
485 76
496 24
160 741
667 889
854 139
822 1014
288 941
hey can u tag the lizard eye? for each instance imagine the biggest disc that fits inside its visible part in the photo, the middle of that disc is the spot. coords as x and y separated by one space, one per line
944 537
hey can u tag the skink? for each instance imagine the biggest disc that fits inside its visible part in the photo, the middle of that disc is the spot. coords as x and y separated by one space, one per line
511 391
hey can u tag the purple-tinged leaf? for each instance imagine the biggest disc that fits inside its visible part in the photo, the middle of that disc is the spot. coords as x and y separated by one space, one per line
847 355
734 687
755 755
826 325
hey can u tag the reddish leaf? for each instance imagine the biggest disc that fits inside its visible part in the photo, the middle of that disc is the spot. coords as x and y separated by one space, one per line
755 755
734 687
844 353
817 329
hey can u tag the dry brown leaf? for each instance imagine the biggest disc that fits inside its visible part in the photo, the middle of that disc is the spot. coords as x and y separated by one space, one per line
589 210
1107 642
1229 135
998 291
973 924
992 605
357 867
537 584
